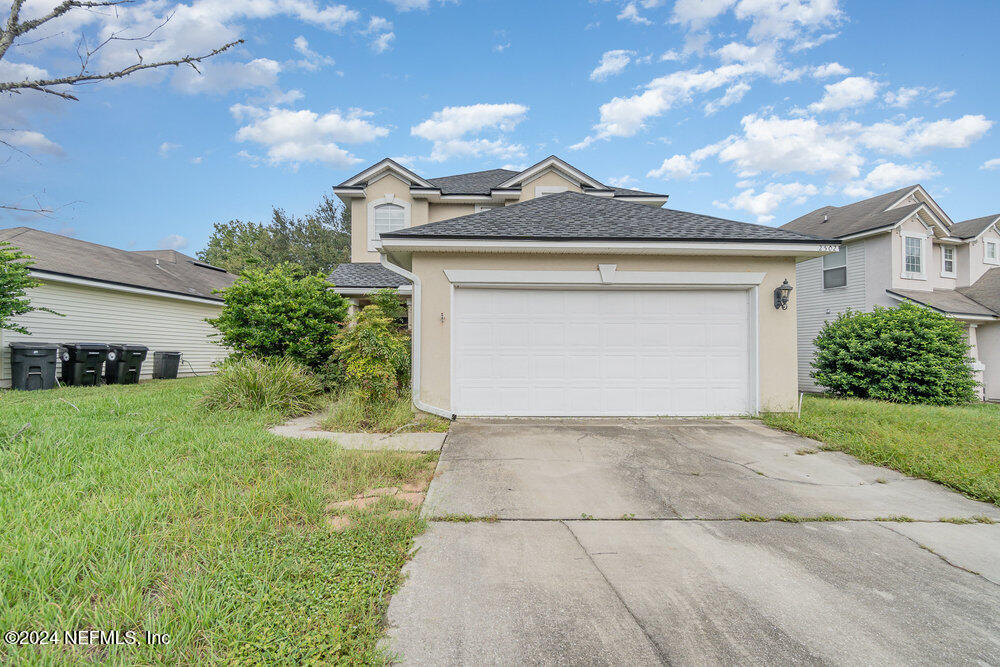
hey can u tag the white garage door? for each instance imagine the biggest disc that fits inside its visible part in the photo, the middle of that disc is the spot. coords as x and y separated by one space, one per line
546 352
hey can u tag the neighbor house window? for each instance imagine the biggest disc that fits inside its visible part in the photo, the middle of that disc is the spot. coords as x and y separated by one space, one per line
835 269
948 261
913 257
992 250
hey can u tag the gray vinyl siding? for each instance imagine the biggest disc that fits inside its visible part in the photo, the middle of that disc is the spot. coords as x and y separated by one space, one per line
816 305
95 315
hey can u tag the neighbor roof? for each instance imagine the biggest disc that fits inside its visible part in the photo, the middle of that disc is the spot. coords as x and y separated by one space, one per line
832 222
945 300
575 216
365 275
176 273
971 228
986 290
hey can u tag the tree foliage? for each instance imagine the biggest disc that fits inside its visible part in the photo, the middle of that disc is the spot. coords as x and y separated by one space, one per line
281 311
317 242
15 281
907 354
388 300
375 356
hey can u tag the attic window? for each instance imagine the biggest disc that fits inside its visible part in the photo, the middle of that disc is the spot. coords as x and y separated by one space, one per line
991 252
835 269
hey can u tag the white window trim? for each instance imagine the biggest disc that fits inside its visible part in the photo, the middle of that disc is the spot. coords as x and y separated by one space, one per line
996 254
923 257
374 243
549 189
954 262
823 269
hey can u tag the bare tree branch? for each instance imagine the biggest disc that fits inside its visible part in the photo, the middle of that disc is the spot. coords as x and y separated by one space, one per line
15 28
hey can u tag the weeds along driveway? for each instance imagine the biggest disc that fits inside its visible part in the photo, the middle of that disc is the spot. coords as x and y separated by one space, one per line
648 541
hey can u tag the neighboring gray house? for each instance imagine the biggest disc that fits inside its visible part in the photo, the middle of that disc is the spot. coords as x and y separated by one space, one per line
157 298
901 246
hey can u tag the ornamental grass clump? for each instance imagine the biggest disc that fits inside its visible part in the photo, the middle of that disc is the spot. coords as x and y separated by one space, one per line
906 354
278 384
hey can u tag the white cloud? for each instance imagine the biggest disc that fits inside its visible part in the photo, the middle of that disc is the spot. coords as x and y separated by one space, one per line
806 44
408 5
696 14
991 164
166 148
625 181
172 242
677 168
381 43
382 34
11 71
786 19
311 61
612 63
447 129
669 56
916 135
222 77
888 176
732 95
763 204
30 142
850 92
631 13
903 96
197 160
295 137
828 70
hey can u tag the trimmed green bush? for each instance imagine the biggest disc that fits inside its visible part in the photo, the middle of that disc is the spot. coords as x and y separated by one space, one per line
374 355
906 354
281 312
279 385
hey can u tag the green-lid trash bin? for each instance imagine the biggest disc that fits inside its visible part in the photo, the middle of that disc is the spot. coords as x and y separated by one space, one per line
33 365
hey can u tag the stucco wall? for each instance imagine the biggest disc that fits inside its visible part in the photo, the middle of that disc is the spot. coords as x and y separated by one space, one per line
777 353
547 178
94 315
977 254
988 349
400 191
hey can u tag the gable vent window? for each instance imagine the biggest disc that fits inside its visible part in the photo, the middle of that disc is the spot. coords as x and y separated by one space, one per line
835 269
388 218
948 261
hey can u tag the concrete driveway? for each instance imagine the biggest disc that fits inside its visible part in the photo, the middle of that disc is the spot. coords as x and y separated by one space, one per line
620 541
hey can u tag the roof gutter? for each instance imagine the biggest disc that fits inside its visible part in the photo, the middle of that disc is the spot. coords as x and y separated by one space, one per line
53 277
800 248
415 354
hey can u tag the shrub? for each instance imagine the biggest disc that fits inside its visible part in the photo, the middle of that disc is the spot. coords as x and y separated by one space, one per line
907 354
281 312
280 385
375 357
352 413
392 305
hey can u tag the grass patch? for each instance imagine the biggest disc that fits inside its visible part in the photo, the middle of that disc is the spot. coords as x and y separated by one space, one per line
465 518
350 414
752 517
134 507
957 446
966 519
794 518
278 385
895 518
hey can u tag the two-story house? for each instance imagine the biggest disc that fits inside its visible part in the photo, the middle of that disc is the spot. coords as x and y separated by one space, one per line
545 292
901 246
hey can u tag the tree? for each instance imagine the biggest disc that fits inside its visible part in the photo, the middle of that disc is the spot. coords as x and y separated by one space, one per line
907 354
15 281
281 311
16 30
375 356
317 242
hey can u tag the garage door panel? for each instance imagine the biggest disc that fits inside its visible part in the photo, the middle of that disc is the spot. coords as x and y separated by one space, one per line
593 352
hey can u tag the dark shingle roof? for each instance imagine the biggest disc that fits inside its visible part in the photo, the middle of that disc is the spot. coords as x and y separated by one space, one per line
176 272
474 183
861 216
945 300
575 216
986 290
365 275
972 228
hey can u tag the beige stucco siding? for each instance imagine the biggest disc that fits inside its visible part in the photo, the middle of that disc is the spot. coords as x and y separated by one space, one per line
376 191
94 315
550 178
777 329
988 351
441 211
976 250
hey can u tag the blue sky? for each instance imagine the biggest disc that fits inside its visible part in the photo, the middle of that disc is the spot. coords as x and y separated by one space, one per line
757 110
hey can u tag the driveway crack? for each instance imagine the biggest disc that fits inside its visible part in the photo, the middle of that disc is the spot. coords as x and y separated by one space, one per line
645 631
928 549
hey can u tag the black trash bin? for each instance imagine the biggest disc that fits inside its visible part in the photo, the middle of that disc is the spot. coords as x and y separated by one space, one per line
165 364
82 363
33 365
124 363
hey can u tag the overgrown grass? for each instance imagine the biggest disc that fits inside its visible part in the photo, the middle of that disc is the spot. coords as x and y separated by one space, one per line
958 446
349 413
279 385
134 508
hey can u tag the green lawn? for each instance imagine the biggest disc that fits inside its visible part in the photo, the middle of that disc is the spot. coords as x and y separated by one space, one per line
348 414
958 446
134 508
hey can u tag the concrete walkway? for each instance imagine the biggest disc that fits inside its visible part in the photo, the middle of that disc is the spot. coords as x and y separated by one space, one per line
615 541
309 427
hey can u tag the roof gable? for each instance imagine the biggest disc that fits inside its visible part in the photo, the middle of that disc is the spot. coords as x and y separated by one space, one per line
986 290
388 164
552 162
969 229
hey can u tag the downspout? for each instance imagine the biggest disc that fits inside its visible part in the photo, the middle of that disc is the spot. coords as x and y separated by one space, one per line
415 355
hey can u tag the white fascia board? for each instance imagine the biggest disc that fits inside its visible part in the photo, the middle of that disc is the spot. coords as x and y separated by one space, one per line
548 162
605 275
642 199
349 193
361 291
806 249
988 228
391 165
113 287
933 204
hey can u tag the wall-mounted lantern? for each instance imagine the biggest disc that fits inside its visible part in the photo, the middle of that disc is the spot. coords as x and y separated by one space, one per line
781 295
